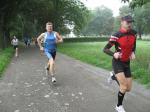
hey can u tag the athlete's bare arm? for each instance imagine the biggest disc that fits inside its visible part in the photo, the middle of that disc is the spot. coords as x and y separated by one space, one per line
59 38
39 41
132 57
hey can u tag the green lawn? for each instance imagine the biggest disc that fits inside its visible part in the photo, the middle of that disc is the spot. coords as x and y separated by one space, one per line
92 53
5 56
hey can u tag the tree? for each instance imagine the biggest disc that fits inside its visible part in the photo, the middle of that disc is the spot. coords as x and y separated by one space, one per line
7 11
101 22
137 3
142 19
125 10
29 16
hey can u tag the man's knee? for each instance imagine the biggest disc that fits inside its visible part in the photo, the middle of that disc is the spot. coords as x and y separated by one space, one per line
51 61
124 87
129 88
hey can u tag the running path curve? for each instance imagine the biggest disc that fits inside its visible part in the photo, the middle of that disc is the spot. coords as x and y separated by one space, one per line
80 87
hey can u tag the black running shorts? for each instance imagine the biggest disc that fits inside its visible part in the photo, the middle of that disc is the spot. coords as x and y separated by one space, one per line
119 66
15 46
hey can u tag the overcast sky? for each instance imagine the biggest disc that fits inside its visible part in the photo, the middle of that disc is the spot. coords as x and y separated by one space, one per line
114 5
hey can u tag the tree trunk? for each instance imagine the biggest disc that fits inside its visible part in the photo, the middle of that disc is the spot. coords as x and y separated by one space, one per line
140 33
2 44
140 36
7 38
6 34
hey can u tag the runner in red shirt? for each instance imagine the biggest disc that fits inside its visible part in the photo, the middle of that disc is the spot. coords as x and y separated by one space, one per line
125 43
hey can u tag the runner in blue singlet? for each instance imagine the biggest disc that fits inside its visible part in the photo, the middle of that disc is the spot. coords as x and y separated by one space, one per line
50 39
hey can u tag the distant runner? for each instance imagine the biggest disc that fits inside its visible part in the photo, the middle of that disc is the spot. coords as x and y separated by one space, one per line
50 39
26 41
15 42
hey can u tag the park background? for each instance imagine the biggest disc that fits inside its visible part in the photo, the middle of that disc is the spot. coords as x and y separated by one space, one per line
85 30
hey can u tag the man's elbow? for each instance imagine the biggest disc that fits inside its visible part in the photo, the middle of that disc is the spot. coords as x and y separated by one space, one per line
61 40
38 40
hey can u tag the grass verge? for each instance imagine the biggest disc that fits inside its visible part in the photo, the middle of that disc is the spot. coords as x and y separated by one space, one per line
92 53
5 57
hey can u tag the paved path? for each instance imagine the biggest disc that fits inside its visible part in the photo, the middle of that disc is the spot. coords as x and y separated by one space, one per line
80 87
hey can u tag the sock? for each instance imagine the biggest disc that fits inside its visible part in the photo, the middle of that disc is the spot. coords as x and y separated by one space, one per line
47 68
120 98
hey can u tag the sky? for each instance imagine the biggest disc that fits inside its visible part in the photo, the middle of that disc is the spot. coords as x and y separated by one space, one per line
114 5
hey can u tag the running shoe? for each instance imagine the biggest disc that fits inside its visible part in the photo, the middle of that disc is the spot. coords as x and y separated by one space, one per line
120 108
53 79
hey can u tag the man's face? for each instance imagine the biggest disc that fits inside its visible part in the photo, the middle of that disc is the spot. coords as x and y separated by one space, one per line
126 24
49 28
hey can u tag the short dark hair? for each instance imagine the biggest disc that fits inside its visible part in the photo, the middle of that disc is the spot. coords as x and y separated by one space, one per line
49 23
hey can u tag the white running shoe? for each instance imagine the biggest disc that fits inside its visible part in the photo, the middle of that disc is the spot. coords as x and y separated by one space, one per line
53 79
119 109
110 80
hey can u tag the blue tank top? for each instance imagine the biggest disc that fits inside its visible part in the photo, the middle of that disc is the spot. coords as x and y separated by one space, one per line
50 41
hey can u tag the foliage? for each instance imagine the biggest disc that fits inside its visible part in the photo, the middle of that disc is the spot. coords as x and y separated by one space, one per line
101 22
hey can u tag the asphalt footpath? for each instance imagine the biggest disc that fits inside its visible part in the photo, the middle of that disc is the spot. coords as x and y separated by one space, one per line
80 87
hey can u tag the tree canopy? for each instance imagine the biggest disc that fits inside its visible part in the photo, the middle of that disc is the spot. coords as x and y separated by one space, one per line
101 22
28 17
137 3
